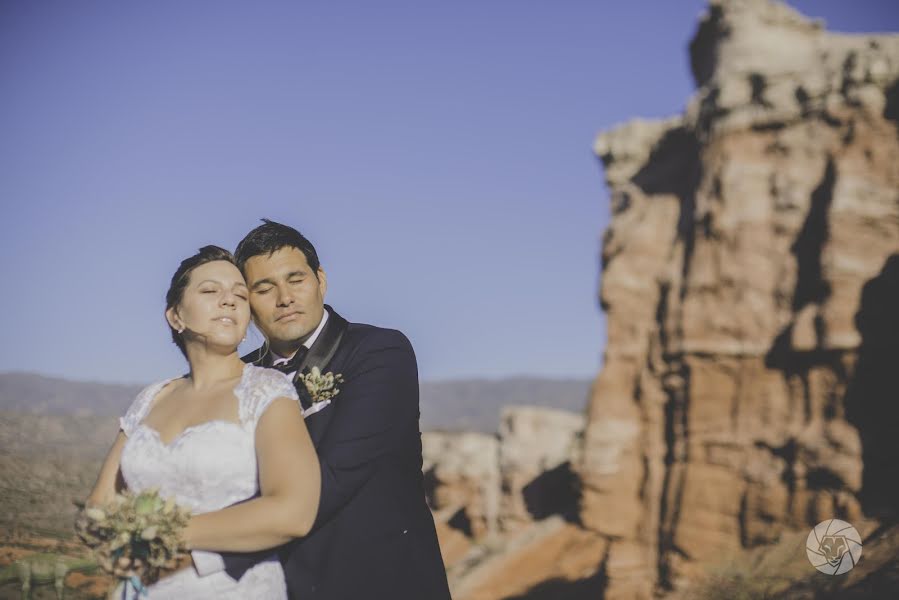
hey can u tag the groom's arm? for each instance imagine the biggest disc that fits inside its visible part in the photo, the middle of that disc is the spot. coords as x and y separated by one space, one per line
233 563
377 418
379 406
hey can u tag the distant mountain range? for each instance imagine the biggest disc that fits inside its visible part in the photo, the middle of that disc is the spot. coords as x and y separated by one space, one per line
475 404
461 405
55 432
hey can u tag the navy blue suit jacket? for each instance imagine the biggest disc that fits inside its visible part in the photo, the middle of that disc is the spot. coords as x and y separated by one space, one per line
374 535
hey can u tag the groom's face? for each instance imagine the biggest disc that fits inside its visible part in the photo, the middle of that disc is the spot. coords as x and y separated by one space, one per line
286 296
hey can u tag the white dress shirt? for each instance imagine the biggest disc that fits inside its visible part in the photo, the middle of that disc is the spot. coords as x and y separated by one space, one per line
308 343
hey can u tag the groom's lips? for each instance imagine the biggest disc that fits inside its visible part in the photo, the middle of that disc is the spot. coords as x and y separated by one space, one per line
288 316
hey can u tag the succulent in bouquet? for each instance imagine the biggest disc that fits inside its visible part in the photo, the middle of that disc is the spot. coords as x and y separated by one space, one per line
135 537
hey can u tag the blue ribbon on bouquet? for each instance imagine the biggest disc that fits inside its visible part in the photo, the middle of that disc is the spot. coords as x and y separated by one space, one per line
133 588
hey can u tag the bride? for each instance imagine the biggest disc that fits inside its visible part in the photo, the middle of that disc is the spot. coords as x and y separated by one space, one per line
223 433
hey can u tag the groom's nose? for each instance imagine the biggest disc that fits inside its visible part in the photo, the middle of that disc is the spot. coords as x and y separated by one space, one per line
285 298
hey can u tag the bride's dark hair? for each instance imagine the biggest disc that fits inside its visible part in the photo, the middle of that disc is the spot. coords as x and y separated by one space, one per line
182 277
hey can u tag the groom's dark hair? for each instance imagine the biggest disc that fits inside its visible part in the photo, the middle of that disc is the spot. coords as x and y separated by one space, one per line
270 237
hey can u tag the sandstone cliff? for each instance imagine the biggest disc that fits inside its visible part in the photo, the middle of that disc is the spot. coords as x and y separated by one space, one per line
751 281
750 275
506 504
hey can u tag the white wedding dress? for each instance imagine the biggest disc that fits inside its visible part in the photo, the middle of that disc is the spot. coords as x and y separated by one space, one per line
205 468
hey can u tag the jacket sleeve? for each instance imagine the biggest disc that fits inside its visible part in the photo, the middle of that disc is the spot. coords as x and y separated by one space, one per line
378 406
235 564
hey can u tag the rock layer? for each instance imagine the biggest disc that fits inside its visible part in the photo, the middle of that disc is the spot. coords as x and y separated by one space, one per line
506 505
751 281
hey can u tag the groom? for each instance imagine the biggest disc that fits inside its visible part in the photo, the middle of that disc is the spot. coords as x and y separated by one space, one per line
374 535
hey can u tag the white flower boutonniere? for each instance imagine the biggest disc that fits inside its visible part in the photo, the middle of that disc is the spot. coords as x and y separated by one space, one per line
322 387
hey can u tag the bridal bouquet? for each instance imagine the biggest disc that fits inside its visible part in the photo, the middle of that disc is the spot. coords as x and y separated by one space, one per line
135 537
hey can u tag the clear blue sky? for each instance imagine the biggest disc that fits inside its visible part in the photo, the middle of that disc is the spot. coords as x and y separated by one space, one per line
437 153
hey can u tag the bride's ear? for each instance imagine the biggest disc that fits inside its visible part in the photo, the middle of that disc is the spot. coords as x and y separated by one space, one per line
171 315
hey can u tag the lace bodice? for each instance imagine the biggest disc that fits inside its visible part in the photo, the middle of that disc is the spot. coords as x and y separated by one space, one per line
208 466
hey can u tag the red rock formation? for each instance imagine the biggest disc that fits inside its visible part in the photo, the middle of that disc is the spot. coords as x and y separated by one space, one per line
535 452
751 281
752 253
463 481
548 556
504 505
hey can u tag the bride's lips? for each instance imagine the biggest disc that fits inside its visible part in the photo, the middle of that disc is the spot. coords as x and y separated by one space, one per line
291 316
225 320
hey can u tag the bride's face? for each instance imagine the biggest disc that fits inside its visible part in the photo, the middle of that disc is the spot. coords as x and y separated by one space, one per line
214 310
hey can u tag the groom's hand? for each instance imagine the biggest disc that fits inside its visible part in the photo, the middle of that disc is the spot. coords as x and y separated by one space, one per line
183 561
125 567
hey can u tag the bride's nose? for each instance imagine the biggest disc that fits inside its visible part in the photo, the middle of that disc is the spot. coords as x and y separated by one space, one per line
228 299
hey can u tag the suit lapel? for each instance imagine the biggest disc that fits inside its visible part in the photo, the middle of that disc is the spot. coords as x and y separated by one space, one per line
322 351
319 355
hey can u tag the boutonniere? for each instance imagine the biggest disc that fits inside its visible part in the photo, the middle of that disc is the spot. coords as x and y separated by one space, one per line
322 387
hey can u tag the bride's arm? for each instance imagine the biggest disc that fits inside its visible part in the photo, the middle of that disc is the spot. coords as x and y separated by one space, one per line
108 481
290 484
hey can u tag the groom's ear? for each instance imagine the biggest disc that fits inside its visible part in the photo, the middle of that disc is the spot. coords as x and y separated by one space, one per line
322 281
